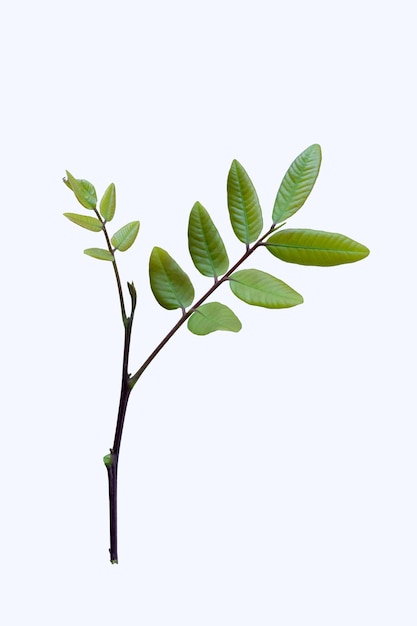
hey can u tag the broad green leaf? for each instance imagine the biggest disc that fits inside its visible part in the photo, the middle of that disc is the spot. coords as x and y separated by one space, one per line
169 283
205 244
90 223
315 247
262 289
125 237
83 190
244 208
211 317
108 203
99 253
297 184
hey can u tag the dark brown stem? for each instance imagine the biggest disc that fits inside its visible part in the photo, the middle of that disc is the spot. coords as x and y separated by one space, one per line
112 476
128 382
112 469
116 271
113 463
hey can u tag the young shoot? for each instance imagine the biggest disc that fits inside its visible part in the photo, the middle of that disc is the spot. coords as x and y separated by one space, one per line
173 288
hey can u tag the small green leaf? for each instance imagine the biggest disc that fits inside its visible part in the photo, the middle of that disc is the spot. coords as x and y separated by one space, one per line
315 247
90 223
205 244
169 283
125 237
262 289
99 253
244 208
108 203
84 191
297 184
211 317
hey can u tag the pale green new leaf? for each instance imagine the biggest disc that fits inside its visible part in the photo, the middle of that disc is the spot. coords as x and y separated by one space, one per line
244 208
90 223
315 247
211 317
99 253
108 203
169 283
297 184
83 190
125 236
262 289
205 244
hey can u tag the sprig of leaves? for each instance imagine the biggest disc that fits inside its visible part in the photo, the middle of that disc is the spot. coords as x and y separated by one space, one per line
86 195
209 255
172 287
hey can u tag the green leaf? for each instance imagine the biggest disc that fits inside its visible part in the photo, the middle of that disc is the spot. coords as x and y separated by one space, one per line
169 283
90 223
99 253
315 247
84 191
125 236
244 208
205 244
108 203
211 317
262 289
297 184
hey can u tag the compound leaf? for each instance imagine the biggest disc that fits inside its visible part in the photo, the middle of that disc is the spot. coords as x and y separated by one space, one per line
169 283
244 208
90 223
83 190
206 247
261 289
108 203
211 317
297 183
99 253
125 236
315 247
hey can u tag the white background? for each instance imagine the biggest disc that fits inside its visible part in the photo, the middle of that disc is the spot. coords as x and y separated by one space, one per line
266 477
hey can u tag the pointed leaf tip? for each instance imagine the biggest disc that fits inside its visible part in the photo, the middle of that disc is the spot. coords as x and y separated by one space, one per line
315 247
297 184
170 285
99 253
108 203
83 190
244 209
261 289
90 223
125 237
206 247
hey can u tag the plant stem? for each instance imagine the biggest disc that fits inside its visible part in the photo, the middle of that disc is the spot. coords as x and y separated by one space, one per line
128 382
113 463
116 271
